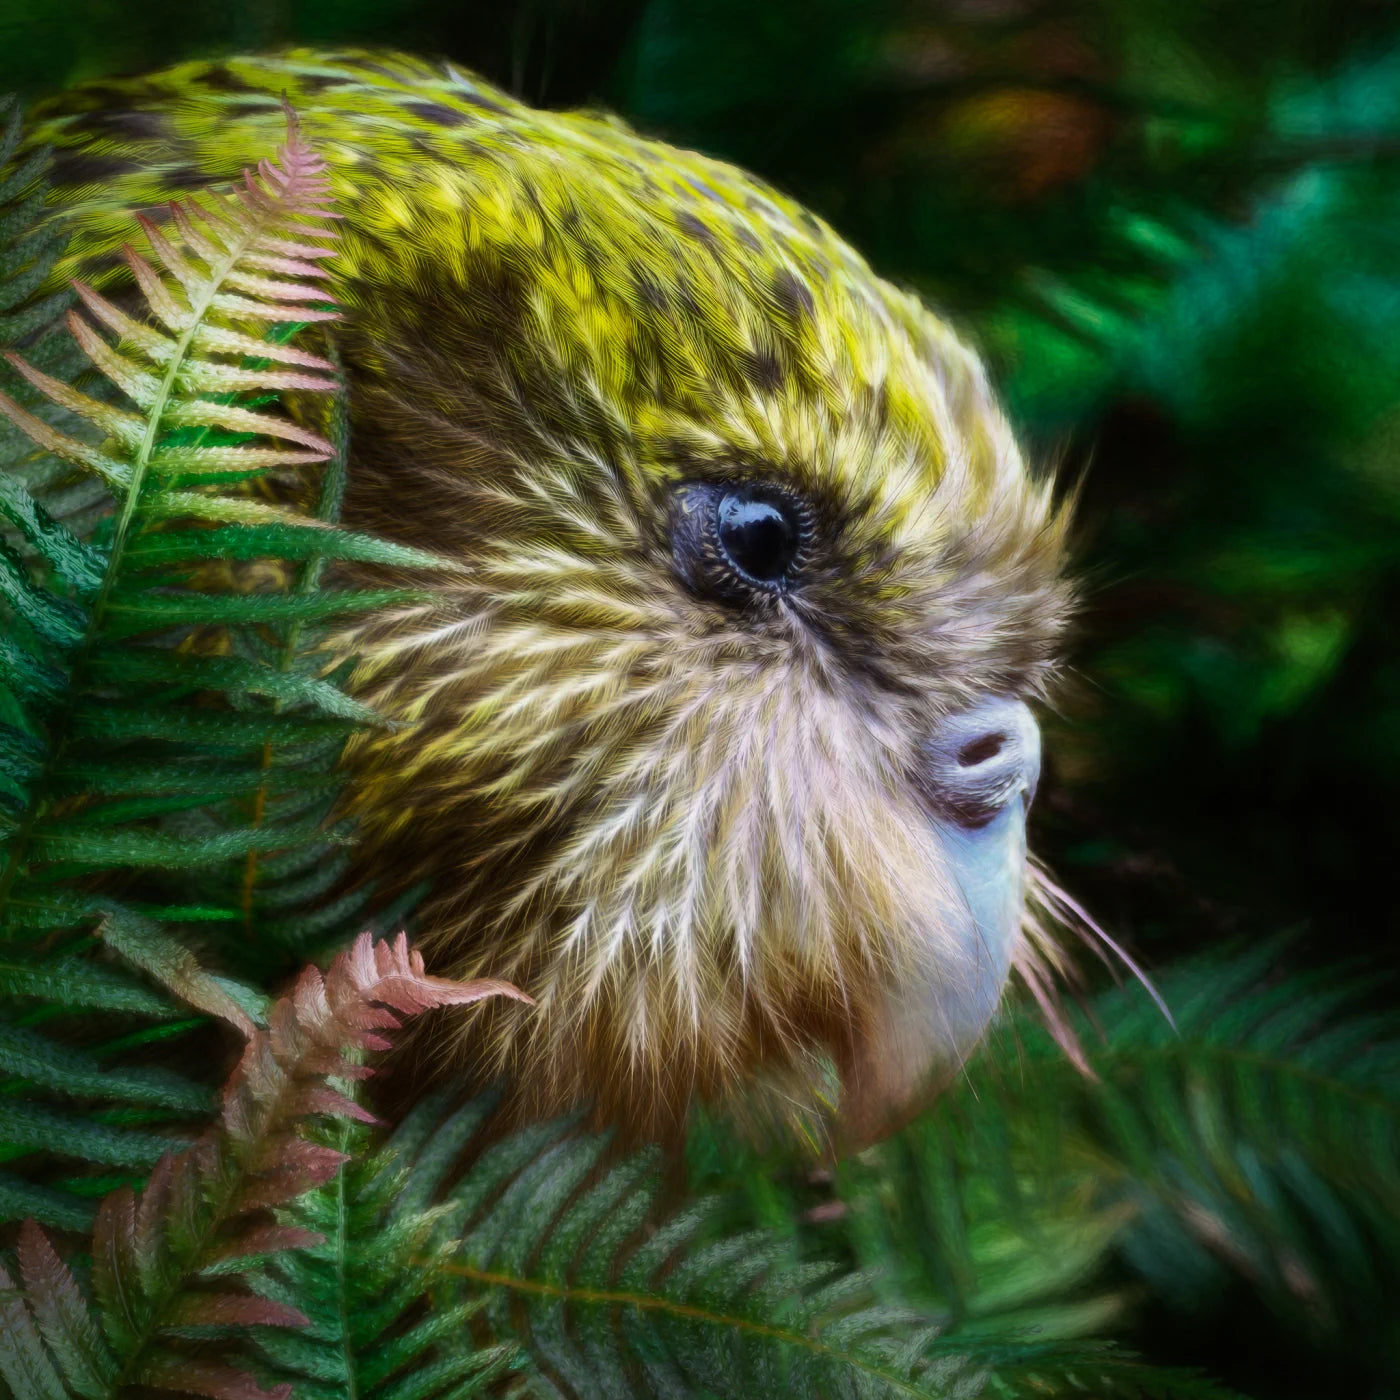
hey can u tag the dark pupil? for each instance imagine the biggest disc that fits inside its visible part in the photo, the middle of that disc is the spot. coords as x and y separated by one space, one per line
758 538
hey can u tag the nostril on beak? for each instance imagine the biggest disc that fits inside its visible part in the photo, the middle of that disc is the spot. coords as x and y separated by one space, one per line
980 760
980 750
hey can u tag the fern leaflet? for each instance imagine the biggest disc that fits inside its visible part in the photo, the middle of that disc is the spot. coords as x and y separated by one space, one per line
167 1309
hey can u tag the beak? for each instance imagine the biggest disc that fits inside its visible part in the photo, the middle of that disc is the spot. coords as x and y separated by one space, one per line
979 775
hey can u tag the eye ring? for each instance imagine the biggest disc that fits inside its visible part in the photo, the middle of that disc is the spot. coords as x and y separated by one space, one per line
739 539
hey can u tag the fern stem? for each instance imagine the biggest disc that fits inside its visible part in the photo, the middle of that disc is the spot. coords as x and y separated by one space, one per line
342 1292
606 1297
250 861
333 477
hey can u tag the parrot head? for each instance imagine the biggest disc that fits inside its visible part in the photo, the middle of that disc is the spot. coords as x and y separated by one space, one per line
718 740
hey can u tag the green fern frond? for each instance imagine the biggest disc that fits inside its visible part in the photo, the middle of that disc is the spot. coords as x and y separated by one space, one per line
1254 1145
285 889
365 1287
166 1306
566 1250
64 668
167 371
162 734
28 250
1260 1137
553 1241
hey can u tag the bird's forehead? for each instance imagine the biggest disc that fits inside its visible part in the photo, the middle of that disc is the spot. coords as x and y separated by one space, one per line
705 312
673 297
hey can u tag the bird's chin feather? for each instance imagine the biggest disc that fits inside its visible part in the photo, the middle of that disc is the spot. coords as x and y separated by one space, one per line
757 906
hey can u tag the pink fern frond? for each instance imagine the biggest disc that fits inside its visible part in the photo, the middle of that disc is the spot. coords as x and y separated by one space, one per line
171 258
203 413
61 1312
262 1240
150 341
115 474
158 298
206 1208
116 422
222 1309
25 1362
192 234
199 1376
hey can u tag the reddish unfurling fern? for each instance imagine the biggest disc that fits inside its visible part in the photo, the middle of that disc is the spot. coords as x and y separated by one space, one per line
165 1301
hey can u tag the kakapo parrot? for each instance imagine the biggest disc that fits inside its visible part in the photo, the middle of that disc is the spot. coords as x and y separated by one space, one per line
720 741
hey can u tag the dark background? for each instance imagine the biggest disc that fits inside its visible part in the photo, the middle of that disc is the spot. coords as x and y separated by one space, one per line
1173 226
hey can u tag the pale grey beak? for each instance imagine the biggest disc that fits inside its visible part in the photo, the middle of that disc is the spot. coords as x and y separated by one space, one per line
983 768
978 774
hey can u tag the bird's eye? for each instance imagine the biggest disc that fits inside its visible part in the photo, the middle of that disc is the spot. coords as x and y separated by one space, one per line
738 540
758 537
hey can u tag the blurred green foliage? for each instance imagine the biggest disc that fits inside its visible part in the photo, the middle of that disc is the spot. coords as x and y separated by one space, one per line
1174 227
